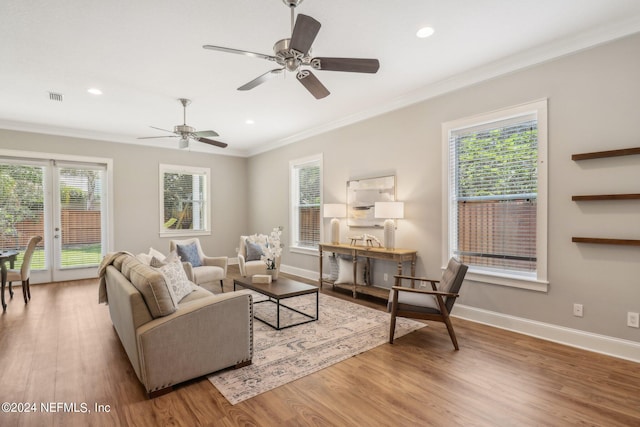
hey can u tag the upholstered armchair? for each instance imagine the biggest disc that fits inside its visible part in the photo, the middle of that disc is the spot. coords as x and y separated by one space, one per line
206 270
250 250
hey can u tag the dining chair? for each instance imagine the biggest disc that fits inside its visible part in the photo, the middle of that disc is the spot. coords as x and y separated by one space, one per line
24 272
434 304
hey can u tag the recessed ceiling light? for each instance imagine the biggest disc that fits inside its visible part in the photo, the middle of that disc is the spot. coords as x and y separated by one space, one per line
249 121
94 91
425 32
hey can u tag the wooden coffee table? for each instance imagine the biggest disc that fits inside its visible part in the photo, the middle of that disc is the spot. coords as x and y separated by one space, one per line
277 290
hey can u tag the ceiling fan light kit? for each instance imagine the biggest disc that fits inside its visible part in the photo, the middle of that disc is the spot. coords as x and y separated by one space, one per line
293 53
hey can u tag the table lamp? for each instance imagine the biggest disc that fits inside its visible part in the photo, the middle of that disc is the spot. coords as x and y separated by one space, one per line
390 211
335 211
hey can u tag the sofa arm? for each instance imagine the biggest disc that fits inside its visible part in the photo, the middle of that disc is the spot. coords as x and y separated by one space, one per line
202 336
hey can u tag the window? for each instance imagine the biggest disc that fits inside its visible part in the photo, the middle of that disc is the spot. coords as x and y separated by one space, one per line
305 200
496 195
184 197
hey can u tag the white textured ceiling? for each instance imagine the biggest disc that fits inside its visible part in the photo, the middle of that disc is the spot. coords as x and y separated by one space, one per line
145 54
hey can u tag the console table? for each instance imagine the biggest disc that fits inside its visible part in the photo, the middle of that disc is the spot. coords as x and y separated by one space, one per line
397 255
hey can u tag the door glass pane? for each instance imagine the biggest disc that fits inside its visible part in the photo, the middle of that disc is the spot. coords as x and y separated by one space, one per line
21 210
80 217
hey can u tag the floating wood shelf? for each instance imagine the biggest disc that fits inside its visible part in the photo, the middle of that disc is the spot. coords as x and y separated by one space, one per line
600 241
602 154
605 197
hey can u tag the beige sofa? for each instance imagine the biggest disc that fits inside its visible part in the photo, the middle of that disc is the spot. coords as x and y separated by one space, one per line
169 343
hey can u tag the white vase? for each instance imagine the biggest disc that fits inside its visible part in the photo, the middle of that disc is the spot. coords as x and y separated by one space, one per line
273 273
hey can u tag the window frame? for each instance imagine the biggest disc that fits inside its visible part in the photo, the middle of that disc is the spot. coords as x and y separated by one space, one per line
294 165
192 170
537 280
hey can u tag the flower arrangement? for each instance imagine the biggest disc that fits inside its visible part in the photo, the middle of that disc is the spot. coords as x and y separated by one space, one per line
273 248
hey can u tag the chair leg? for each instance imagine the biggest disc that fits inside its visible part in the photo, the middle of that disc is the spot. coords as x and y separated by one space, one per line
11 290
24 291
222 285
452 334
392 328
29 288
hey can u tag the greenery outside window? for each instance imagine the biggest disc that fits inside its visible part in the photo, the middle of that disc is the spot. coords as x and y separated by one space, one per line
496 195
184 201
305 200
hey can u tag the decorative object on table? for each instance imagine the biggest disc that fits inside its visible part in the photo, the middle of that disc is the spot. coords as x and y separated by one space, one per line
261 278
343 330
391 211
366 239
335 211
272 251
362 194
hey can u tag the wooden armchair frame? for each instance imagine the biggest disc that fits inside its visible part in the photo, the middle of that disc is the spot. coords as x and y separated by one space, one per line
444 300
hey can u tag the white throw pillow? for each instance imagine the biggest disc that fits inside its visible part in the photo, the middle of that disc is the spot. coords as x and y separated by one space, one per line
156 253
176 279
144 258
345 272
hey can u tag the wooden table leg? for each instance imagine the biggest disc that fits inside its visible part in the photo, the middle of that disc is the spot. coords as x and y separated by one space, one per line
4 281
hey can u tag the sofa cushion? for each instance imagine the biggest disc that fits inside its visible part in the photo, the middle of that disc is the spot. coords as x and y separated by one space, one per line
153 287
189 253
254 251
176 279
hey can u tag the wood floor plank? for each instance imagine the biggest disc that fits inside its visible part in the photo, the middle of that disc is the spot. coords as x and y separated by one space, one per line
62 347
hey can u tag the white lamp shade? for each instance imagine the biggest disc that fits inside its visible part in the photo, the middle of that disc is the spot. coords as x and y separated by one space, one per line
335 210
389 210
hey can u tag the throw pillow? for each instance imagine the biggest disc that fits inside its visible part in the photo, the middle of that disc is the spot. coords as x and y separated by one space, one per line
334 270
189 253
176 279
144 258
157 254
154 288
254 251
345 273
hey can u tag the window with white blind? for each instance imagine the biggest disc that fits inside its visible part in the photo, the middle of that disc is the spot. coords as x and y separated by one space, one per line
496 195
305 199
184 198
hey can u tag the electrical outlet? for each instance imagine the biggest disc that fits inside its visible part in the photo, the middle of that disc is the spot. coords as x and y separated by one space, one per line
577 310
633 319
386 277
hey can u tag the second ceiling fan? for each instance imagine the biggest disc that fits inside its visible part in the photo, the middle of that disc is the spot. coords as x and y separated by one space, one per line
294 53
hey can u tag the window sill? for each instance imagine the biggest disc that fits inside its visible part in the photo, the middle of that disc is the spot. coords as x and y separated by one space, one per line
505 279
184 233
304 251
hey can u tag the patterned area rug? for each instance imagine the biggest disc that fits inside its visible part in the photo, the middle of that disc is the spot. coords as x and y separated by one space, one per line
343 330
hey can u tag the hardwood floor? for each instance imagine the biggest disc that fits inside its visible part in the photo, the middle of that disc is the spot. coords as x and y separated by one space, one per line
62 349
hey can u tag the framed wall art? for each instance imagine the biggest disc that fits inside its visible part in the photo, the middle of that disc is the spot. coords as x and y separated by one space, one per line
362 194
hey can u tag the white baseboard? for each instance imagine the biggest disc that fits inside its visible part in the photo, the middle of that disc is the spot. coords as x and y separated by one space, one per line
300 272
623 349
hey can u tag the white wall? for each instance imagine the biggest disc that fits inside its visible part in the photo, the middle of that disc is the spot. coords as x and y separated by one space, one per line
136 188
594 104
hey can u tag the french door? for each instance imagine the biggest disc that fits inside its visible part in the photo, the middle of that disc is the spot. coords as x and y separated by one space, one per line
63 200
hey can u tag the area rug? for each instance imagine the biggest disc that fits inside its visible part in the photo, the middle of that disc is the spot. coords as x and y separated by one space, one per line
344 329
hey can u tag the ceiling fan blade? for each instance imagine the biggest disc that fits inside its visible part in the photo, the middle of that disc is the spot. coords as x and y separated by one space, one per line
240 52
353 65
261 79
206 133
304 33
313 85
164 130
212 142
154 137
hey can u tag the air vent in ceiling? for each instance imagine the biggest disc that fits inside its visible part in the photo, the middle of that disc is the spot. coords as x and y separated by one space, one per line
53 96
